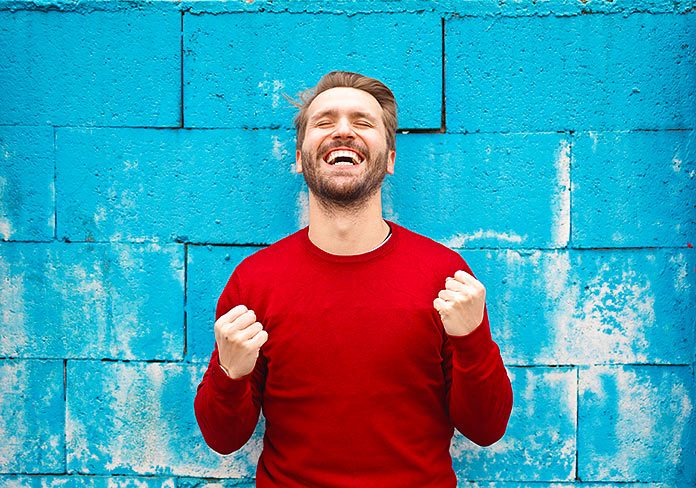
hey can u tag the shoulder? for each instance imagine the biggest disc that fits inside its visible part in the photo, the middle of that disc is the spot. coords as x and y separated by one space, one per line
432 253
268 258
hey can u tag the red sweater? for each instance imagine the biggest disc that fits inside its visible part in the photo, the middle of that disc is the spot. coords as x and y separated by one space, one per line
359 383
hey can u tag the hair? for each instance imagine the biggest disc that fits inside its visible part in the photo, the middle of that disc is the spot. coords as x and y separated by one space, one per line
347 79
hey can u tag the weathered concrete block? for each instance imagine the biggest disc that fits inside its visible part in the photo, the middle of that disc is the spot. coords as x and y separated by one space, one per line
548 73
470 190
231 186
237 67
73 481
209 269
100 68
637 423
138 418
539 444
634 189
26 183
594 307
116 301
217 483
31 416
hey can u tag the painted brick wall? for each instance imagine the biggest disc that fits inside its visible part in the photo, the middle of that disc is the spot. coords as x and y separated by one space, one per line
145 149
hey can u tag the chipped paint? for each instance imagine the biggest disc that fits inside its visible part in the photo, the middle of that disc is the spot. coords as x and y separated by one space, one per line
461 240
302 209
560 199
13 429
280 151
607 319
6 230
274 87
13 334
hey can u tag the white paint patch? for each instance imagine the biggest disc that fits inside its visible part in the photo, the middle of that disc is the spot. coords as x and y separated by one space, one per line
302 209
100 215
274 87
606 322
14 430
5 225
643 408
676 164
388 203
560 201
460 240
130 165
279 151
681 284
593 136
13 334
139 440
564 380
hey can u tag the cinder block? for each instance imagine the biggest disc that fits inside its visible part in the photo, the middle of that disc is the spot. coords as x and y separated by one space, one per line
539 444
209 269
237 67
207 186
578 307
138 418
216 483
637 423
74 481
634 189
26 183
31 416
91 67
115 301
549 73
483 189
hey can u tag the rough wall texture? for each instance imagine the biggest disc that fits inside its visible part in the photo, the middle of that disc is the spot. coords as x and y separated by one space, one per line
145 150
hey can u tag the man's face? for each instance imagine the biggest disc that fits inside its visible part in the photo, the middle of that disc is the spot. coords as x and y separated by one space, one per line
344 155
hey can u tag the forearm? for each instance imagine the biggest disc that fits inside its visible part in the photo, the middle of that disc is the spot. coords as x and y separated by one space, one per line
480 397
225 409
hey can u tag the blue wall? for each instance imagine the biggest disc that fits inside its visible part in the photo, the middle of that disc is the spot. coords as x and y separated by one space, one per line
145 149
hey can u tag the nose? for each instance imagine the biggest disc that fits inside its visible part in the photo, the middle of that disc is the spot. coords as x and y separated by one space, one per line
343 128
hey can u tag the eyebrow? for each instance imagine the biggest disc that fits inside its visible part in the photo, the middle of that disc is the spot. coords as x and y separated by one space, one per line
332 112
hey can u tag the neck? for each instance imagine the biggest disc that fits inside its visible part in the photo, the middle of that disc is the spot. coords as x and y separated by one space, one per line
350 231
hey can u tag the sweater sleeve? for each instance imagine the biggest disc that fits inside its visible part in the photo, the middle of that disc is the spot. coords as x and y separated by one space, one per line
227 410
479 393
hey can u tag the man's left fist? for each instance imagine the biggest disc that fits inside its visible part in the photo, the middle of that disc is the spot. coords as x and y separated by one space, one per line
461 303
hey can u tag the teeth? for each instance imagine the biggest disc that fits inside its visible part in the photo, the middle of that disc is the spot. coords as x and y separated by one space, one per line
346 154
343 163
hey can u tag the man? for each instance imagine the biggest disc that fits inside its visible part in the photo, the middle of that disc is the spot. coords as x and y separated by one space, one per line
365 343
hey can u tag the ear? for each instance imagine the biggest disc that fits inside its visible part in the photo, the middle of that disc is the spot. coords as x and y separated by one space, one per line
298 160
390 161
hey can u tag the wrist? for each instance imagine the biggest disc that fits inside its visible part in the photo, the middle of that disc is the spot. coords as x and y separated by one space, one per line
224 369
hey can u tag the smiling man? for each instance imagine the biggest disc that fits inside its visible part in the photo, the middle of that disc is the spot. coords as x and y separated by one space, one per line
365 344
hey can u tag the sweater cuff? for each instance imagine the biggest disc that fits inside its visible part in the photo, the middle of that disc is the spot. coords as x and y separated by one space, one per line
475 346
237 387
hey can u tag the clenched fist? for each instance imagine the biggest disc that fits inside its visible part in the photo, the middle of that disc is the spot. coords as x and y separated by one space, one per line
461 303
239 338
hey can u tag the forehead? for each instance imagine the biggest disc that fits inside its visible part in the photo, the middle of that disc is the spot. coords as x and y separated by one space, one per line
344 100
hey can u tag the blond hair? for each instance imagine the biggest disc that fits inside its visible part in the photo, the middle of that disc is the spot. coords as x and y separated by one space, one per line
336 79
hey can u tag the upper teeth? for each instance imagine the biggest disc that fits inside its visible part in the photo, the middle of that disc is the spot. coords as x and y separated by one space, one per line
342 153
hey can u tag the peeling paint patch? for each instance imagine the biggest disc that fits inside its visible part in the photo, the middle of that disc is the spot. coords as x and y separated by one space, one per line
5 224
637 427
302 211
560 199
461 240
272 87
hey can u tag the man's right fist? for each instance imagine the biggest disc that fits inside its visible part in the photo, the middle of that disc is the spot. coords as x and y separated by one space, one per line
239 338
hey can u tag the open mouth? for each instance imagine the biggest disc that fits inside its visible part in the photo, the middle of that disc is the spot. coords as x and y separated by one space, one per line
343 157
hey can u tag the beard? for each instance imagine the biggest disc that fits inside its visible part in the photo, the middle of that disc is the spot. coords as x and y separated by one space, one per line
344 193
